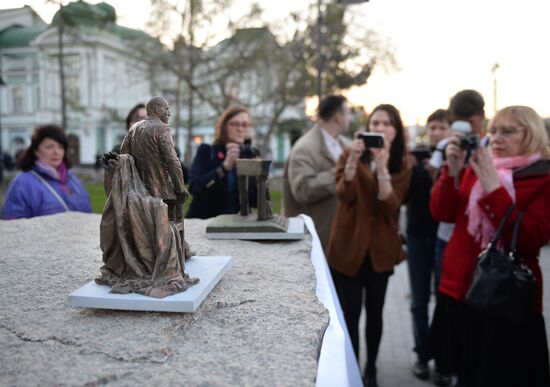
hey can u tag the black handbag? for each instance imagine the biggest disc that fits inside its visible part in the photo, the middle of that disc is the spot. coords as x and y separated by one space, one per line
503 288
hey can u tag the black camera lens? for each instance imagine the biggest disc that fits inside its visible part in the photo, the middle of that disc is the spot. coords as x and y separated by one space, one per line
246 150
469 142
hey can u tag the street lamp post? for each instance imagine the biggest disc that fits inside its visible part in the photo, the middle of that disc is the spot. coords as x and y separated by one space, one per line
319 48
1 148
496 66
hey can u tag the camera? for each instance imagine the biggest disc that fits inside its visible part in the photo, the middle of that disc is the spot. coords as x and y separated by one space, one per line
247 151
469 142
421 153
373 140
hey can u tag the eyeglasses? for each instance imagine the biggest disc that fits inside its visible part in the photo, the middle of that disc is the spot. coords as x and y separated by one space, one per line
505 131
236 124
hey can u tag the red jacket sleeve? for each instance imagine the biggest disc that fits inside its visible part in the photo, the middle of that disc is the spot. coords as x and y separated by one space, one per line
535 225
444 197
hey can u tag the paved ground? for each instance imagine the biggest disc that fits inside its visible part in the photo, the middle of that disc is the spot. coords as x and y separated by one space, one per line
396 356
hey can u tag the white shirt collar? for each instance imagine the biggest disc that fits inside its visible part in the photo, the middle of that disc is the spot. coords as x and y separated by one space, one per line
333 145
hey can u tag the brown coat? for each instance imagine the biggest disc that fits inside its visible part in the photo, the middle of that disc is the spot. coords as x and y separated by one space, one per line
365 224
309 184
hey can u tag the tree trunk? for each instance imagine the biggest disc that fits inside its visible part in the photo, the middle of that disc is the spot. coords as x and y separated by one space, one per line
190 124
263 146
62 70
177 123
190 118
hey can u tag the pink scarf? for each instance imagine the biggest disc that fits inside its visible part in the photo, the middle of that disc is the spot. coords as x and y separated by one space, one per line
479 226
61 173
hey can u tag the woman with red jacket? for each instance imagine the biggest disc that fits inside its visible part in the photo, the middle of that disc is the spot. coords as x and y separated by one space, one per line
514 169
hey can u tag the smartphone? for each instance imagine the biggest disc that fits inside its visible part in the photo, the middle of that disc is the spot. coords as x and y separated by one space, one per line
373 140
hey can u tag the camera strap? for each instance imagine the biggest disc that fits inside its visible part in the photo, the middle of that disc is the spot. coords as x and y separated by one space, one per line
52 190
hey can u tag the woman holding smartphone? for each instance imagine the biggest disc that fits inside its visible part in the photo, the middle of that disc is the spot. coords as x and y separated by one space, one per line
364 245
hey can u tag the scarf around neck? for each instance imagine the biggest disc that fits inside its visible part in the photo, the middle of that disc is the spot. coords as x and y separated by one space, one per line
60 173
479 225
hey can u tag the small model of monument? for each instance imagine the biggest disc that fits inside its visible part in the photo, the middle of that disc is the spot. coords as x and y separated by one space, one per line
245 224
141 232
142 226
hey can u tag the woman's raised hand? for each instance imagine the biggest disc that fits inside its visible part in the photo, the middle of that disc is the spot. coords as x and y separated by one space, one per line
231 155
380 157
455 156
483 166
356 150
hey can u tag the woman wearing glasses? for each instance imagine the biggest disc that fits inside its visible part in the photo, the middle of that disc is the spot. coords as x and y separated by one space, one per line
213 176
514 169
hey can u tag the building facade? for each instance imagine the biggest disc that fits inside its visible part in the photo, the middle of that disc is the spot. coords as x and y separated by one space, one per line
106 72
103 78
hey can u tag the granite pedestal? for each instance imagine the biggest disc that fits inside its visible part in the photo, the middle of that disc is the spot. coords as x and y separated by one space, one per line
261 325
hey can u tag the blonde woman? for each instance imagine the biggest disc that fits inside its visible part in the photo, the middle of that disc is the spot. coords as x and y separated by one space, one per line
515 168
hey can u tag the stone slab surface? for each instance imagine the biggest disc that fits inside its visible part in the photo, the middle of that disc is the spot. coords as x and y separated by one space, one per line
295 232
208 269
262 325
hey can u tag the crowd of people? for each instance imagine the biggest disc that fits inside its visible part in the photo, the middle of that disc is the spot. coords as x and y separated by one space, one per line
457 189
469 177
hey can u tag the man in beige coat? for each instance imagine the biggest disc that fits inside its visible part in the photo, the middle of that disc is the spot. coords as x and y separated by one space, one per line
310 183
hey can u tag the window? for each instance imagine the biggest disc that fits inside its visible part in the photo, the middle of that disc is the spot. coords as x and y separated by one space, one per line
72 90
17 99
37 98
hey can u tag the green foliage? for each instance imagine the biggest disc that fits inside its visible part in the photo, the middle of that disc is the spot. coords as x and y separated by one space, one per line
359 120
97 195
276 201
268 67
350 51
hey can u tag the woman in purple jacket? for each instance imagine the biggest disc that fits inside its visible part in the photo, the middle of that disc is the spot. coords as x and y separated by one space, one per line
45 186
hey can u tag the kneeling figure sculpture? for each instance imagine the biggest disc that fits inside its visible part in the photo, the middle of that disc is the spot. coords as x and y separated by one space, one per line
141 231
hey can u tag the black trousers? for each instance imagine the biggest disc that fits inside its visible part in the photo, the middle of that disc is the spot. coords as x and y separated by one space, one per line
350 294
488 353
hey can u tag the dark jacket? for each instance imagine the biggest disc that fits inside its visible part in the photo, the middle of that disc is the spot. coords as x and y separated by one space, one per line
420 222
211 193
448 204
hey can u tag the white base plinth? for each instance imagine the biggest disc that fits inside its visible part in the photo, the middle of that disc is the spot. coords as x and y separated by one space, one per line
208 269
295 231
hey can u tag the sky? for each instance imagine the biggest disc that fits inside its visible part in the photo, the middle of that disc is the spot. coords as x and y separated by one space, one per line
441 46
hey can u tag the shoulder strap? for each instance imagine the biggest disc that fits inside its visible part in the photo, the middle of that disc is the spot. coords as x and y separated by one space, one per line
50 188
513 254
